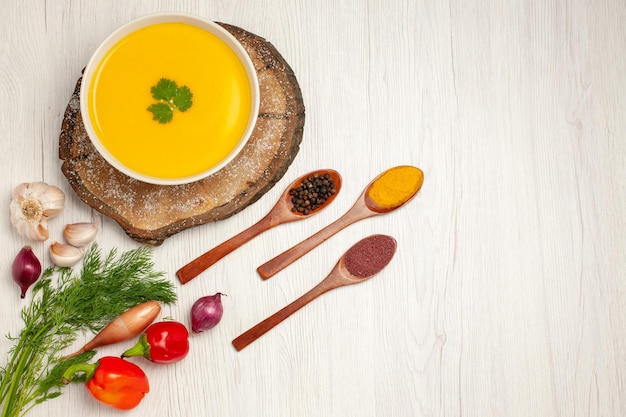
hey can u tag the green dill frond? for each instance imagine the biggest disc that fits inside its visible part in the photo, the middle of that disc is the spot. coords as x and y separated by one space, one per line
93 299
54 378
78 302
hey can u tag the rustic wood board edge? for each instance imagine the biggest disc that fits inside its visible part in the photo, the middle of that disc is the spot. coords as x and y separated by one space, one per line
72 153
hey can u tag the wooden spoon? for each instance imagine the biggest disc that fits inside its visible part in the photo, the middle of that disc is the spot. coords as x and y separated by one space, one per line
363 208
361 262
279 214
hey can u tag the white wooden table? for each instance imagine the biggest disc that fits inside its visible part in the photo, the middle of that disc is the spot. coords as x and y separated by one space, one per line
506 295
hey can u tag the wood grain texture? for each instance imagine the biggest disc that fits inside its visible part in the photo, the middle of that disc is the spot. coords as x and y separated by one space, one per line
506 293
151 213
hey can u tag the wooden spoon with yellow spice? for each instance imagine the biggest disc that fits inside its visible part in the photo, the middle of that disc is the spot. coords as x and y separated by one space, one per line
390 190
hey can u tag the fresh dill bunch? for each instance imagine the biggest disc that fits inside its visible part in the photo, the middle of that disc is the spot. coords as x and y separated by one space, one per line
87 301
92 301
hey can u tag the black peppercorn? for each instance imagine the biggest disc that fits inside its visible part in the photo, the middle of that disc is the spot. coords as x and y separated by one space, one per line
312 193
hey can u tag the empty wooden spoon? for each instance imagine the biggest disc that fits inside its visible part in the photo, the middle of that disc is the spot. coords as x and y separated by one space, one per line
388 191
279 214
361 262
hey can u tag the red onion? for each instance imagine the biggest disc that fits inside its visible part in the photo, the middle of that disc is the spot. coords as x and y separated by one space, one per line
26 269
206 312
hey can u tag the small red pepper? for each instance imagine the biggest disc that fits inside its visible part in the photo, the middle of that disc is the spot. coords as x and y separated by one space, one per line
113 381
162 342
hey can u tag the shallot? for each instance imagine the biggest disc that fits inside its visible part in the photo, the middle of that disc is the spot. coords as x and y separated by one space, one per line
26 269
128 325
206 312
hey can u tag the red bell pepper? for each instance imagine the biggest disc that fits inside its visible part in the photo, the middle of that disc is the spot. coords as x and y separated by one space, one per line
113 381
162 342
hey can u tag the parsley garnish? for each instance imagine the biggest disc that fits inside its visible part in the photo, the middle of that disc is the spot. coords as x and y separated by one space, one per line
170 97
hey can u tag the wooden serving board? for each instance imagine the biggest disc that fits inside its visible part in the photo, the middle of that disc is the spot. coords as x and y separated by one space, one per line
150 213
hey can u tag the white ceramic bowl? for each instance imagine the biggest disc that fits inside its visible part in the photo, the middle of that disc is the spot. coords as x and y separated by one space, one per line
149 20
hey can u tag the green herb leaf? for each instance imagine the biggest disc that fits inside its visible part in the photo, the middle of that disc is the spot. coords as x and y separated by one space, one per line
183 98
161 112
170 97
164 90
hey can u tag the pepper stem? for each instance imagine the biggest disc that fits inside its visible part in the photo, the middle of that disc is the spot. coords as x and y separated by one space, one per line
142 348
87 368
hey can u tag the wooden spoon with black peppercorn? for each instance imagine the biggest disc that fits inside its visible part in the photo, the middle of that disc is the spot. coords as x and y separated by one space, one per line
305 197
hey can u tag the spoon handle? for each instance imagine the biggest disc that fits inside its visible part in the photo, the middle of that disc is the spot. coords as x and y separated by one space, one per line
269 323
280 262
204 261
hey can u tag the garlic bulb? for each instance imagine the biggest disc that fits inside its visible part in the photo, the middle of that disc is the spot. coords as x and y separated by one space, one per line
65 255
32 204
80 234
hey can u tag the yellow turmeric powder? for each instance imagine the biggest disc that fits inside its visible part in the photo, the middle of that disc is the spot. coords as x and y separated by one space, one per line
396 186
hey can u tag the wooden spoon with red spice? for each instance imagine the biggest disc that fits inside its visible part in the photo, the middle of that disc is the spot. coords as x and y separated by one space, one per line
361 262
281 213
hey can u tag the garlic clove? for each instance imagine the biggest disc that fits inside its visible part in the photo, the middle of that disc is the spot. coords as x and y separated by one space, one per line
80 234
16 214
52 200
19 192
37 233
65 255
36 189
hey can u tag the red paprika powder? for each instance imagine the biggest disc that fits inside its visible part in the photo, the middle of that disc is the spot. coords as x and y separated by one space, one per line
370 255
